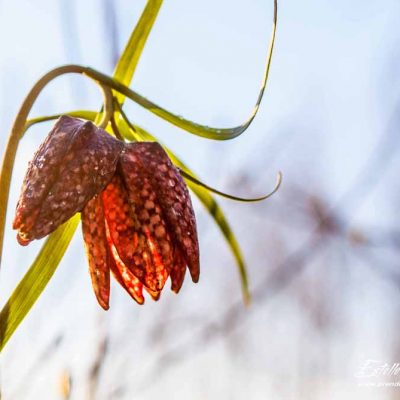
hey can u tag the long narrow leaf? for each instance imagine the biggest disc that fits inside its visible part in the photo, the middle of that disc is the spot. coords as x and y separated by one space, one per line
190 126
35 280
129 59
191 178
84 114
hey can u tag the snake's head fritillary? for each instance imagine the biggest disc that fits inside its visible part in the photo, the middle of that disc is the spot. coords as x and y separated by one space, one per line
137 217
75 162
142 227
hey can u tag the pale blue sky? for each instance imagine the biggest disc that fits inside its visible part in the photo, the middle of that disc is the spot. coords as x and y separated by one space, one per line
332 92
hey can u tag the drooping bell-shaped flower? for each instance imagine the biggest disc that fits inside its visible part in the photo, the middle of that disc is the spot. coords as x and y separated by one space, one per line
75 162
142 226
137 217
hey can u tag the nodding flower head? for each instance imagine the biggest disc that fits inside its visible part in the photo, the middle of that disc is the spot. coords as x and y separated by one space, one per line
137 216
73 164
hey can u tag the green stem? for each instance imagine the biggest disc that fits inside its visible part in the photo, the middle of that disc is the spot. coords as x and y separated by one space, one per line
108 102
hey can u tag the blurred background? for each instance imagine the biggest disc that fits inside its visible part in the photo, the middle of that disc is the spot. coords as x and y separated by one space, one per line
322 254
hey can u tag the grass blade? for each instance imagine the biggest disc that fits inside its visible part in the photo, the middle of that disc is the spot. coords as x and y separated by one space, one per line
35 280
120 85
194 180
129 59
83 114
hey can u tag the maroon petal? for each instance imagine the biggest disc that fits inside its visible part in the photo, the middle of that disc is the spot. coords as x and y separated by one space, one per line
124 276
121 221
74 163
94 235
155 295
42 174
178 271
172 195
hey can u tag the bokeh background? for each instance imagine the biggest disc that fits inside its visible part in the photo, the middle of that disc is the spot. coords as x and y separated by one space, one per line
322 254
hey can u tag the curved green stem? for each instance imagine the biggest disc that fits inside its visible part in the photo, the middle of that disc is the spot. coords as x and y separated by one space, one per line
108 103
118 106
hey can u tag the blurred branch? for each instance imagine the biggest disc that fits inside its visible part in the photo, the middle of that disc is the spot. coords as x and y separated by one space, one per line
65 385
95 370
368 257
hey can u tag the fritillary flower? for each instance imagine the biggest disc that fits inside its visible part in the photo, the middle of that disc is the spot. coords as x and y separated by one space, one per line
137 216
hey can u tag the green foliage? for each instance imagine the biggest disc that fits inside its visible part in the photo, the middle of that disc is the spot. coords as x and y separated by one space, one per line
35 280
116 90
28 290
130 57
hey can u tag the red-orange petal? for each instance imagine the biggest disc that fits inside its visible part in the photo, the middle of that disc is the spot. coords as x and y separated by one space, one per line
129 282
137 228
94 235
125 277
155 295
122 223
172 195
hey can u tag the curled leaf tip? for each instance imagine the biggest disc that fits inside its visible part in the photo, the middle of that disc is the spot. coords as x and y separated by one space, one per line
247 300
229 196
278 184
